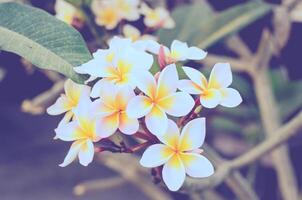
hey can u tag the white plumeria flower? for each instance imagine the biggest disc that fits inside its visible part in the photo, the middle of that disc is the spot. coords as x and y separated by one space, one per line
120 64
215 91
179 51
82 132
161 98
157 18
134 34
128 9
106 13
66 12
68 101
180 154
110 109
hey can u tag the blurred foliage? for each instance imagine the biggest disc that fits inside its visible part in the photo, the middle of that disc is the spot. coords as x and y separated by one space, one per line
42 39
197 24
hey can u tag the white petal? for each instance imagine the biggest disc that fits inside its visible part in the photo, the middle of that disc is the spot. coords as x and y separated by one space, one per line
72 153
211 98
146 83
60 106
107 126
177 104
167 81
108 92
128 125
156 121
74 91
156 155
195 53
196 76
139 106
230 97
189 87
196 165
66 119
97 67
174 173
221 76
171 136
193 134
123 96
97 88
100 109
69 132
180 49
86 153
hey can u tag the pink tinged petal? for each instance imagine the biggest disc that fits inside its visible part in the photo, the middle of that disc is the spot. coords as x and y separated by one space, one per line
157 121
180 49
70 132
167 81
210 98
192 135
146 83
128 125
60 106
230 97
196 76
139 106
221 76
195 53
72 153
189 87
107 126
86 153
177 104
171 136
156 155
174 173
197 166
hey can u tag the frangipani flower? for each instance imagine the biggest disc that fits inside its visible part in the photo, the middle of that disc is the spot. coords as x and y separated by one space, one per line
110 109
161 98
128 9
106 13
67 12
216 90
180 154
157 18
68 101
134 34
82 132
120 64
179 51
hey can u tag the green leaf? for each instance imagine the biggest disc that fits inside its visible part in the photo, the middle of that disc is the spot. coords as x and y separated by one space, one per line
197 24
42 39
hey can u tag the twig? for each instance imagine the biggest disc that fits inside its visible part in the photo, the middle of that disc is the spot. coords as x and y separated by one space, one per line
38 104
100 184
133 173
280 136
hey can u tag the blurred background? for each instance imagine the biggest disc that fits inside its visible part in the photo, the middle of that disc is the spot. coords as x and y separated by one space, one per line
29 156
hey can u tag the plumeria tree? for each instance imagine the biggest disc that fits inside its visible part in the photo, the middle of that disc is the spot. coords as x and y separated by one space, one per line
136 87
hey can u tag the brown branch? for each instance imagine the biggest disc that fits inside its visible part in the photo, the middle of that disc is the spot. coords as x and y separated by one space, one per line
39 104
280 136
100 184
128 166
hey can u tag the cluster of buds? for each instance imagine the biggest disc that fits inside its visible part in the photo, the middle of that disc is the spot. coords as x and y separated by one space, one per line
160 110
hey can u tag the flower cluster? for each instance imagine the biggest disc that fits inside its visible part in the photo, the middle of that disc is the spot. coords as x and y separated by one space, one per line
109 13
161 109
